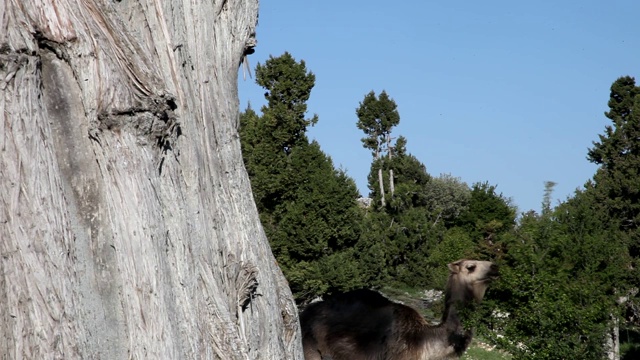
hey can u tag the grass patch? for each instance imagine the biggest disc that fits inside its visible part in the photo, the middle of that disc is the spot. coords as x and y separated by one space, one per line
478 352
411 297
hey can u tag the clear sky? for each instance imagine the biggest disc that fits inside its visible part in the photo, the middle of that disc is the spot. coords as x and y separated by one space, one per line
509 92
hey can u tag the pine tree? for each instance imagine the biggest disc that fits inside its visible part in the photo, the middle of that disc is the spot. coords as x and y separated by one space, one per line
288 85
377 116
407 173
488 216
616 183
559 271
268 140
307 207
398 239
318 223
615 191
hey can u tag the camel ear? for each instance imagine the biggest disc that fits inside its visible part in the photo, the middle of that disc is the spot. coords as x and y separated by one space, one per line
454 267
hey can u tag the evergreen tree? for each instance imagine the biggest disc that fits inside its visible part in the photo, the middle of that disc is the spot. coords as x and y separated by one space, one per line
288 85
616 183
372 249
615 190
571 265
409 176
307 207
488 216
377 116
317 226
264 160
268 140
558 276
546 199
399 235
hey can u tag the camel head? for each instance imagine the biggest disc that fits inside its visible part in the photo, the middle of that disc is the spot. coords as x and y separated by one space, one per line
469 279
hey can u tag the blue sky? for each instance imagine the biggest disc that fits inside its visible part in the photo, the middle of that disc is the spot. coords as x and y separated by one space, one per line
509 92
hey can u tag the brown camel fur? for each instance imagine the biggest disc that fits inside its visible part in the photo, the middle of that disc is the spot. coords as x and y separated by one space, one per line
364 325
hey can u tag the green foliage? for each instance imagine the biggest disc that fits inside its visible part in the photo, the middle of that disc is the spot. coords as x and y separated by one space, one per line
265 161
456 244
410 242
614 194
546 199
377 115
557 284
394 247
410 178
618 154
334 272
320 216
288 85
488 216
446 198
564 270
372 250
268 140
307 207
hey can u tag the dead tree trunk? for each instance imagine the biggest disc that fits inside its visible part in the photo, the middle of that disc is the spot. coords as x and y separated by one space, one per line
392 188
380 178
612 344
380 181
127 223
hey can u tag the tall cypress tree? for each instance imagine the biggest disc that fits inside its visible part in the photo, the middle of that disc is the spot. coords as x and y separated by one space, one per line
615 189
571 265
268 140
307 207
288 85
616 183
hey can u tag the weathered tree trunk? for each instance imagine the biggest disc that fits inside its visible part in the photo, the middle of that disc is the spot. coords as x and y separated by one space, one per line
392 188
127 223
613 340
380 179
382 195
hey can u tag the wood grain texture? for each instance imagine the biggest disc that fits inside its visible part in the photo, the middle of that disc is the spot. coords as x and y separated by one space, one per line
127 224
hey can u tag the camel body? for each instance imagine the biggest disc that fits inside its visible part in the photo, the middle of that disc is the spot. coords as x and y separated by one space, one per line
364 325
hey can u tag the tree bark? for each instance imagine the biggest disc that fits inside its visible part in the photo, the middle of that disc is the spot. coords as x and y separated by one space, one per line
382 195
392 189
612 344
127 223
380 179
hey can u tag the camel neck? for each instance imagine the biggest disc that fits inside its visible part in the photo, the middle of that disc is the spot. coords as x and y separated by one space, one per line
456 298
450 316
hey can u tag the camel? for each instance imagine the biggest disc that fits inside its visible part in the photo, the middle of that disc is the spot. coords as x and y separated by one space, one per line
364 325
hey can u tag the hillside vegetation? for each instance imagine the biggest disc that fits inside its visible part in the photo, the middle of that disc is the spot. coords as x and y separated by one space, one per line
568 273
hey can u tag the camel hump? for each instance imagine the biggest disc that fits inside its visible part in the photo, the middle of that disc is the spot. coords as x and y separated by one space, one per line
351 325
